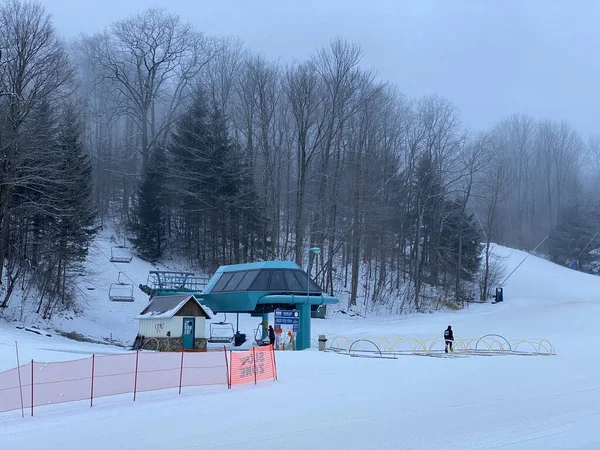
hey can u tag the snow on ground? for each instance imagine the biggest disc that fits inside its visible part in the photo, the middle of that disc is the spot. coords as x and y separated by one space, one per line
102 319
327 400
44 348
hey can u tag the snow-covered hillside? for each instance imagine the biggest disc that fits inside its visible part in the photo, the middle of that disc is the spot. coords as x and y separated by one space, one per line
101 319
328 400
534 288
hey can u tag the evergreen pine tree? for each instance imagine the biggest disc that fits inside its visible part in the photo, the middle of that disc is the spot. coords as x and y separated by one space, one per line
68 227
570 240
147 224
76 223
471 240
212 188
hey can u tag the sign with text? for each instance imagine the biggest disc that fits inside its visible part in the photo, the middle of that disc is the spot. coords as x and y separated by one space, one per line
287 320
252 366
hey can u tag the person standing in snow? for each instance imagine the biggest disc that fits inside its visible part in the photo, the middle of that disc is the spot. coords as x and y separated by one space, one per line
449 338
271 335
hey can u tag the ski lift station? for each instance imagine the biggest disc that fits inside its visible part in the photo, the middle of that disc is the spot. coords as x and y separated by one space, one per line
257 288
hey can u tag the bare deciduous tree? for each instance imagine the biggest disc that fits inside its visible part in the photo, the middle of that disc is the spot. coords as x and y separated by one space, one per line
150 61
304 91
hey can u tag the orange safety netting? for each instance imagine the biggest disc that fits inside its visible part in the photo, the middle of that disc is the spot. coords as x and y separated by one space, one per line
252 366
100 376
114 374
158 371
61 382
204 369
15 394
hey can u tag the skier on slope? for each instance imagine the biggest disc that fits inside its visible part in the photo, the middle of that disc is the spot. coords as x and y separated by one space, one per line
449 338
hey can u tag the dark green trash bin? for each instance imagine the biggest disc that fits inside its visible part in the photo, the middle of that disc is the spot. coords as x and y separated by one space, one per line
239 339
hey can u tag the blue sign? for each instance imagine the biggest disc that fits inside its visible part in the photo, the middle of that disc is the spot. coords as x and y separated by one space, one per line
287 314
289 319
287 322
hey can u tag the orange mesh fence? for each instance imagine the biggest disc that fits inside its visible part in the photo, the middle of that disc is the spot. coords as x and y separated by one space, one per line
15 394
203 369
61 382
114 374
252 366
265 363
38 384
158 371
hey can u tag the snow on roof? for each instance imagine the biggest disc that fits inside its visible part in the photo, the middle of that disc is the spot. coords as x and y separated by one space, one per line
166 306
259 265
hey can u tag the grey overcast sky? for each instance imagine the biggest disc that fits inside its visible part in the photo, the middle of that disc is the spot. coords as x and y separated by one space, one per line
490 57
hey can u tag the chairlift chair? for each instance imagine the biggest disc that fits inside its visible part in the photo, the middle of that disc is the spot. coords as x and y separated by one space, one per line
258 336
221 332
121 292
121 254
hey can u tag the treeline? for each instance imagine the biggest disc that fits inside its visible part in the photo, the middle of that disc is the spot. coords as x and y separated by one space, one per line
200 148
46 210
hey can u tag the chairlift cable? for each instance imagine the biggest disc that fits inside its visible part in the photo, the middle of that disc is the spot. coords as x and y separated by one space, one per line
587 245
528 255
481 225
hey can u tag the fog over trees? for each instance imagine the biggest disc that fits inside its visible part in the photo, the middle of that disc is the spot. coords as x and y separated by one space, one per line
192 146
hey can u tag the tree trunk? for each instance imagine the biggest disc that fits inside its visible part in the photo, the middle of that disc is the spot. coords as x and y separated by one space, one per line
299 246
417 259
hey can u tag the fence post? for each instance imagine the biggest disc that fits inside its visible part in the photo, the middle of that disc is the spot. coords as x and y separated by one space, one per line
137 357
20 384
181 372
230 356
92 388
273 362
32 388
254 362
227 368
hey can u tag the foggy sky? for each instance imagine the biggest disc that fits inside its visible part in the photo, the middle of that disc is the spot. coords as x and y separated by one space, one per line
490 57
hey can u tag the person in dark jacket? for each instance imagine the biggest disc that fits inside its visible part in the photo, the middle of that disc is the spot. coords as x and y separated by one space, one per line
449 338
271 335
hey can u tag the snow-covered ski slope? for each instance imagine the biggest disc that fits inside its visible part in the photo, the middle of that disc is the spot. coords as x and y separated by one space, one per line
324 400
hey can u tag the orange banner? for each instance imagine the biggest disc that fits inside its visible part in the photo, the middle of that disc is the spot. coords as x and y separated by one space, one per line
252 365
